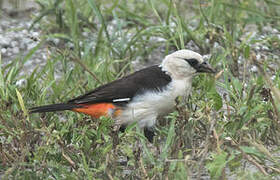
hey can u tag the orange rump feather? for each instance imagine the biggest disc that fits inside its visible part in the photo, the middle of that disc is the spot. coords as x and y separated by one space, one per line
98 110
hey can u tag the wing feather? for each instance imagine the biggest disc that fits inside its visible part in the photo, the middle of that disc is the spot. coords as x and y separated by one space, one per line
151 78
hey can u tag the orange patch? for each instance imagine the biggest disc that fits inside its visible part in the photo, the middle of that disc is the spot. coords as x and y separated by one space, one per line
99 109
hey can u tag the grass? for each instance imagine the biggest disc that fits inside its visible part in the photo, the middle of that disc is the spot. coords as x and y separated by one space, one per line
229 127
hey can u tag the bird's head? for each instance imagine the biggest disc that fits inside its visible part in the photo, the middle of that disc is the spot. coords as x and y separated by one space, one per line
185 63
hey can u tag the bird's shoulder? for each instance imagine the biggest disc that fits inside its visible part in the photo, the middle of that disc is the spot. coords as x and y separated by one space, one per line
123 90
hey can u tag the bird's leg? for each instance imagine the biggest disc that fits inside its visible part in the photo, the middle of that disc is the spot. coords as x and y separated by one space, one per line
122 128
149 133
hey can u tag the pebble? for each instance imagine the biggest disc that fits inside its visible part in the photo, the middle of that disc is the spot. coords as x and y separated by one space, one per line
36 34
216 45
15 50
31 45
3 51
275 31
85 34
14 44
56 41
44 56
21 82
265 48
9 54
24 31
240 60
22 46
254 69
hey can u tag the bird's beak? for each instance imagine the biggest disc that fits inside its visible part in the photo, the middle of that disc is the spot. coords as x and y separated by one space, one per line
205 68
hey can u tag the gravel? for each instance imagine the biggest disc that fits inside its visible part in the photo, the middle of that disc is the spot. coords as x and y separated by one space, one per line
16 40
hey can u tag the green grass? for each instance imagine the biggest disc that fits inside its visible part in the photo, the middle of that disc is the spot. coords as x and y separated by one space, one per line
229 121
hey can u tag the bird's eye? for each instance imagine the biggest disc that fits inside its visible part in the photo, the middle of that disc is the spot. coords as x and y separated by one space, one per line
192 62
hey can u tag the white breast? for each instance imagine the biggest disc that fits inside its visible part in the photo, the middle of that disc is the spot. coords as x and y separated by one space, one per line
146 107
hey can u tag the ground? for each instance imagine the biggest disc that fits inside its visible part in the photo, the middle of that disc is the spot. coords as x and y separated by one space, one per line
227 129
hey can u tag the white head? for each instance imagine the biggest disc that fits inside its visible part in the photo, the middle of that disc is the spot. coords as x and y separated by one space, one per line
185 64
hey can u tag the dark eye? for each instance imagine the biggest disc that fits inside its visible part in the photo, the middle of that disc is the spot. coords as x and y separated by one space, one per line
192 62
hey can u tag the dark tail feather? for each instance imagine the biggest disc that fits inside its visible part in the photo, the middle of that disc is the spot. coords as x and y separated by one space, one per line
53 107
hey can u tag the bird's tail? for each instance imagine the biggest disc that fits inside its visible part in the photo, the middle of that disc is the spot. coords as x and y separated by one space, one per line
54 107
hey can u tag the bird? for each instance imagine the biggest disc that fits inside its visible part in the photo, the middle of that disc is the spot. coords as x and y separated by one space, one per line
141 96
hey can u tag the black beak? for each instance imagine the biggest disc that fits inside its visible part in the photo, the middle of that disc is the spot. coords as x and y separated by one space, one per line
205 68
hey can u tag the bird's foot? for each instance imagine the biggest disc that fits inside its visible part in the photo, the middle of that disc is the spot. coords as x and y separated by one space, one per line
122 128
149 133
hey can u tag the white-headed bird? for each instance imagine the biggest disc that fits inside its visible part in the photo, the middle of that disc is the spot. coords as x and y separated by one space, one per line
142 96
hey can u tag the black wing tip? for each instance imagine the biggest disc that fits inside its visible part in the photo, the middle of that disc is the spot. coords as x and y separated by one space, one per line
39 109
53 108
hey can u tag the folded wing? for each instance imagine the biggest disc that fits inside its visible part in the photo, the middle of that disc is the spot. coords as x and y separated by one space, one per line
123 90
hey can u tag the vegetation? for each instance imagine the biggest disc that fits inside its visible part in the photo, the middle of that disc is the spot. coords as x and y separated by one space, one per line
229 127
